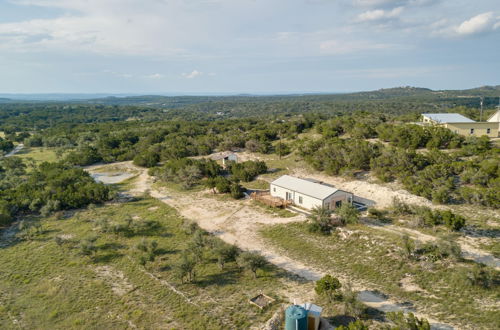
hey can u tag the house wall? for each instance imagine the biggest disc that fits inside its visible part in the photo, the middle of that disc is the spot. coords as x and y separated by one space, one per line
426 119
340 195
308 202
495 118
480 128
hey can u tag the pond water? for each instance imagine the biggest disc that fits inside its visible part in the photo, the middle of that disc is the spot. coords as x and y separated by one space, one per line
111 178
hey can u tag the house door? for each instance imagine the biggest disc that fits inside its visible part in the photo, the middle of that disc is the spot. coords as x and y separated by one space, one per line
335 204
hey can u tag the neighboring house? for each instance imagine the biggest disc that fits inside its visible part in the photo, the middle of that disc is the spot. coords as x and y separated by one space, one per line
495 118
309 193
461 125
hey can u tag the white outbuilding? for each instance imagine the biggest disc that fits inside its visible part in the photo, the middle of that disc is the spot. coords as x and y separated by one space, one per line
308 193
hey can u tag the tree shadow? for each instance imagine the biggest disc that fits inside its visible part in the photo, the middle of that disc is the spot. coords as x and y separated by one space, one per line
374 314
339 320
112 246
162 251
227 277
165 268
107 258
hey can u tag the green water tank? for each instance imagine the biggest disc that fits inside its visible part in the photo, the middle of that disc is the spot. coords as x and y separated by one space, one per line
295 318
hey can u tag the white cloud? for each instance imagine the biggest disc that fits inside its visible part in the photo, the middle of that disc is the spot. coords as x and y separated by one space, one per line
376 3
338 47
380 14
392 3
155 76
193 74
477 24
119 74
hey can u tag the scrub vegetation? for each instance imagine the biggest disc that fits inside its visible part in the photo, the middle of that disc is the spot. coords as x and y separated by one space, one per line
81 254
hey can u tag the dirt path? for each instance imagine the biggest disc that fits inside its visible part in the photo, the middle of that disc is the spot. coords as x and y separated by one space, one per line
14 151
238 223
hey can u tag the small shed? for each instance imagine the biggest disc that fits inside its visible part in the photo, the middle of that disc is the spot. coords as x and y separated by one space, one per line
309 193
313 315
225 156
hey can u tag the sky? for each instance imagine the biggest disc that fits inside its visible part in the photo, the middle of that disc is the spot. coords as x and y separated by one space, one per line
246 46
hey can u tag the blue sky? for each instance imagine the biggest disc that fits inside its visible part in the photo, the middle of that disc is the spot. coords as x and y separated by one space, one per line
246 46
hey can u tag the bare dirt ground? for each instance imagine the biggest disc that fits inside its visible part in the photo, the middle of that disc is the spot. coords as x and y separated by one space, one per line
383 196
238 223
116 279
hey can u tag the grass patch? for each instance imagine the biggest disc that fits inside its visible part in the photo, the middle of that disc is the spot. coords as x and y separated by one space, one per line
47 286
277 212
373 259
256 184
40 155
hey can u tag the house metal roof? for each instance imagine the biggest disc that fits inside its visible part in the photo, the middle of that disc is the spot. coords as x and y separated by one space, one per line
306 187
448 118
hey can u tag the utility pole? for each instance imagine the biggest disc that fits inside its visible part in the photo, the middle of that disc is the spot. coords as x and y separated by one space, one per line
279 132
481 115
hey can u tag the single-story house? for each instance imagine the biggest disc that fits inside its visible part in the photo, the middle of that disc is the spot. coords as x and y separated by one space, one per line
495 118
309 193
461 125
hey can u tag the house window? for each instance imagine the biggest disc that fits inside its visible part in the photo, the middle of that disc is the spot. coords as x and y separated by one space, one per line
338 204
488 130
471 131
300 199
274 189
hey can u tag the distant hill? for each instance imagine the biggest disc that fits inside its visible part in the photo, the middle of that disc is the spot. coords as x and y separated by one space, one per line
172 101
398 93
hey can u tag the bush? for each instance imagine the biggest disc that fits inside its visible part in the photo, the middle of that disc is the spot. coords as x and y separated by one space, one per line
356 325
452 221
483 276
320 220
147 159
236 190
379 214
5 214
409 321
348 214
247 171
251 261
225 253
327 286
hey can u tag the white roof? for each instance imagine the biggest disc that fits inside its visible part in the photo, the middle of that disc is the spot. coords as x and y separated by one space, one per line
312 308
306 187
448 118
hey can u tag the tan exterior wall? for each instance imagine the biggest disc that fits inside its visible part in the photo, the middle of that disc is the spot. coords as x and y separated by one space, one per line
309 202
495 118
479 128
339 196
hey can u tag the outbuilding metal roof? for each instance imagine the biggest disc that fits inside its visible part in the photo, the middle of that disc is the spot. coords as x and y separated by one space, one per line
448 118
306 187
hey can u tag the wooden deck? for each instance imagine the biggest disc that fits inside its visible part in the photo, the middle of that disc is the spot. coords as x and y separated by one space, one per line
266 198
